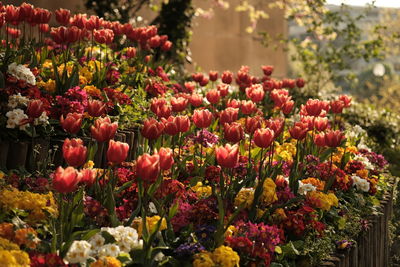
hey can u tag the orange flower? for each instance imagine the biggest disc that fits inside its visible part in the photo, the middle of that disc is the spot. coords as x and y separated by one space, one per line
315 182
7 230
27 237
362 173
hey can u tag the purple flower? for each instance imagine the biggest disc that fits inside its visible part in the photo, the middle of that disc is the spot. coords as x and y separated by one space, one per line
188 249
205 138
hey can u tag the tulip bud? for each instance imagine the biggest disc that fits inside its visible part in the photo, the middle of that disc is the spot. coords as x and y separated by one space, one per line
337 106
233 132
148 167
88 176
252 124
35 108
183 123
152 129
202 118
228 156
72 123
346 100
255 93
227 77
166 46
74 152
213 96
65 180
228 115
276 125
314 107
223 89
213 75
267 70
170 126
130 52
166 158
300 82
96 108
117 152
263 137
320 123
204 81
247 107
319 139
178 104
196 100
103 130
287 107
233 103
334 138
299 131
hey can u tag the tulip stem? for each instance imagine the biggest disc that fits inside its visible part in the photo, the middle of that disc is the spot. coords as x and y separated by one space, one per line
201 148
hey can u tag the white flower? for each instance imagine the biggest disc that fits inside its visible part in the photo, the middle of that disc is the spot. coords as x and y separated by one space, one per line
110 250
15 118
79 252
368 165
360 183
42 120
152 208
305 188
15 100
96 241
22 73
159 256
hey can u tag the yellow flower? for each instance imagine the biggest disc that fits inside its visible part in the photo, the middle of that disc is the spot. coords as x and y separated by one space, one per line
362 173
201 190
36 204
14 258
203 259
49 86
86 74
320 185
7 244
322 200
27 237
246 196
106 262
268 195
92 90
286 151
1 175
230 231
151 223
89 165
225 256
47 64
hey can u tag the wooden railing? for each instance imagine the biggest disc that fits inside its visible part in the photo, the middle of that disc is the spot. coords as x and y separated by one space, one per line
372 246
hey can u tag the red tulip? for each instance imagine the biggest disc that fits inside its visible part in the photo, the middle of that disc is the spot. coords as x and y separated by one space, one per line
103 36
44 28
12 14
223 89
178 104
197 77
227 77
96 108
63 35
334 138
319 139
233 103
280 97
337 106
263 137
228 115
152 129
166 158
213 96
14 33
166 46
346 100
130 52
228 156
170 126
204 81
202 118
299 130
287 107
160 107
255 93
252 124
267 70
320 123
103 130
248 107
79 20
72 123
300 82
93 23
190 86
314 107
233 132
65 180
148 167
196 100
213 75
63 16
88 176
276 125
309 120
183 123
35 108
74 152
117 152
26 11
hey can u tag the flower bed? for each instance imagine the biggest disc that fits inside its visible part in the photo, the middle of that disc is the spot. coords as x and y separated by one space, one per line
219 175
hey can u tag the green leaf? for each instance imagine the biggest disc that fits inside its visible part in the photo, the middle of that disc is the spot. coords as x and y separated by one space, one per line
2 81
108 237
173 210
